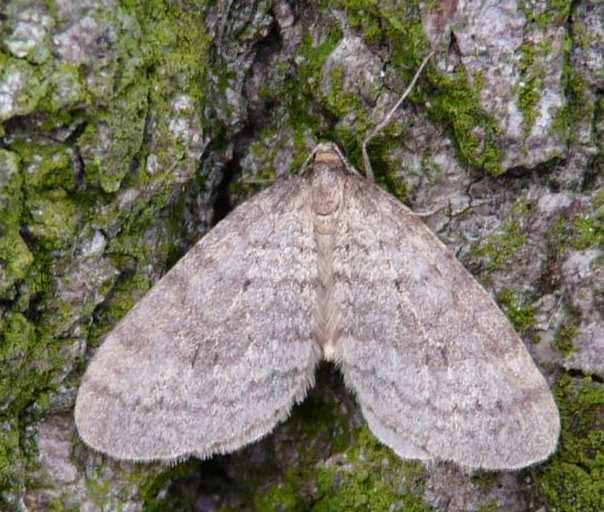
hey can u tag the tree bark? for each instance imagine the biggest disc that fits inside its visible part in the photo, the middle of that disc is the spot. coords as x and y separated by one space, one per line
128 128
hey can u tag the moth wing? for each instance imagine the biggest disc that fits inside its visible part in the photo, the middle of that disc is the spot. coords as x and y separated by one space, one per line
219 349
437 368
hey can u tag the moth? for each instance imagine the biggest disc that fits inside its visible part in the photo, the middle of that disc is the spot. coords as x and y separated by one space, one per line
324 265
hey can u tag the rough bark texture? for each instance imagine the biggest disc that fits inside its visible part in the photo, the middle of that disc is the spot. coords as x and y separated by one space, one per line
128 127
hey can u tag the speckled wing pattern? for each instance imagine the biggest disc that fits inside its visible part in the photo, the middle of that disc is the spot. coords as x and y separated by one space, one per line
437 368
219 349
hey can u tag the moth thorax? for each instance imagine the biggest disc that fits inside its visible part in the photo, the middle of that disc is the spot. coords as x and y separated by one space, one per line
332 352
327 187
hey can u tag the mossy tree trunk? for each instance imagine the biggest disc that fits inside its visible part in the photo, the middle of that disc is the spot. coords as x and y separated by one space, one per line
127 128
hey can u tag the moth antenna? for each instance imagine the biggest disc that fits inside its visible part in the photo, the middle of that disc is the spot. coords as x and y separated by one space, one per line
348 165
388 117
310 156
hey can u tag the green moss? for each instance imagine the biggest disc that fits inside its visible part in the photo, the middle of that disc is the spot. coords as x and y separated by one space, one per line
390 179
346 105
452 99
17 341
358 492
281 497
54 207
10 456
57 505
372 482
578 107
547 14
109 144
32 86
578 232
10 189
15 256
292 92
46 164
99 489
496 251
318 419
455 102
17 331
176 48
314 57
301 86
159 53
163 54
128 290
573 479
67 89
518 309
52 219
563 339
491 506
341 103
369 478
131 245
153 481
531 76
15 260
568 330
486 480
589 232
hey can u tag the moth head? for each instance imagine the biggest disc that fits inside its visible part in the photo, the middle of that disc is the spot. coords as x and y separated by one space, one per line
328 154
